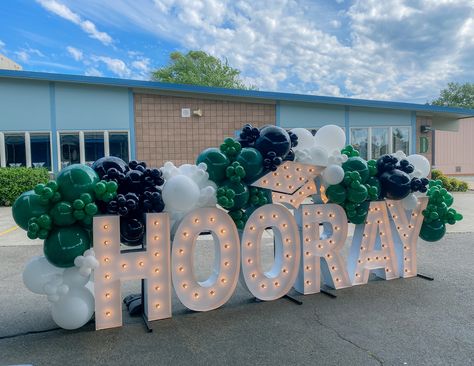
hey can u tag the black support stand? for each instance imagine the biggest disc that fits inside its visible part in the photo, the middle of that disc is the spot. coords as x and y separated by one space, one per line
425 277
328 292
293 299
144 318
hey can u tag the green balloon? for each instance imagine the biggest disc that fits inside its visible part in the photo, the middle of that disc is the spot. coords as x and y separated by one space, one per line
357 194
64 244
28 205
242 194
432 231
357 164
252 161
75 180
62 214
336 193
216 163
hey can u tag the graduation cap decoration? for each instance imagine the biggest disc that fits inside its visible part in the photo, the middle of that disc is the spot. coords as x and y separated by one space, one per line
291 183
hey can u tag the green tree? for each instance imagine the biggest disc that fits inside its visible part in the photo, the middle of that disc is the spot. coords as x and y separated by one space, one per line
199 68
456 95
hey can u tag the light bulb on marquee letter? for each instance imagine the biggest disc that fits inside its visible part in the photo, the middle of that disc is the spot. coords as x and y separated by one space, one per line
372 247
151 264
407 224
219 287
278 281
316 246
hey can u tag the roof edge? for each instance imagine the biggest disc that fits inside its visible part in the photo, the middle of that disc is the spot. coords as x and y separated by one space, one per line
255 94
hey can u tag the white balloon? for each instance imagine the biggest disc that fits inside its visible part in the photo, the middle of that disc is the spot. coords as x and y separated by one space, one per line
410 202
38 272
305 138
330 137
73 278
74 309
333 174
180 193
421 164
319 156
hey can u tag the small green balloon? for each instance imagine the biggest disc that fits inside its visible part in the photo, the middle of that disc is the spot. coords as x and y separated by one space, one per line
216 162
76 179
100 188
111 186
28 205
79 214
357 164
336 193
62 214
252 161
78 204
432 231
242 195
91 209
64 244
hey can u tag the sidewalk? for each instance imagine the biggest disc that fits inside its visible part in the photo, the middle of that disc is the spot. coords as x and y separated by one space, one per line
399 322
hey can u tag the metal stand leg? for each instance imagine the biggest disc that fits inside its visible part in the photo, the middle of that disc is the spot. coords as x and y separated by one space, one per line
326 291
425 277
293 299
147 323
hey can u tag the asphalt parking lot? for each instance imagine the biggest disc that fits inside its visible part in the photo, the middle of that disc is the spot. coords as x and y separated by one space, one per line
398 322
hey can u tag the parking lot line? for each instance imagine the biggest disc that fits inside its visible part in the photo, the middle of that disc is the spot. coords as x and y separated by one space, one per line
9 230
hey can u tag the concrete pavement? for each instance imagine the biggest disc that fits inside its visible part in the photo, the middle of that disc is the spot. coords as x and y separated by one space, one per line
399 322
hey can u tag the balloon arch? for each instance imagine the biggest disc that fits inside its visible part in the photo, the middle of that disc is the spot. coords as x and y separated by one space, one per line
61 212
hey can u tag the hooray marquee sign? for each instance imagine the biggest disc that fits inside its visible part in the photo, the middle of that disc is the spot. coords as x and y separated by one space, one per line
307 243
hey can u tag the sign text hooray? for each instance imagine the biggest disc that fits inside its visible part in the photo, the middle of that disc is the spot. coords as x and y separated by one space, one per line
307 252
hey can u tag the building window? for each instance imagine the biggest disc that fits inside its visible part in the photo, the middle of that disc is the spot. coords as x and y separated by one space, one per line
69 148
118 145
373 142
379 142
40 144
401 139
93 146
360 141
15 150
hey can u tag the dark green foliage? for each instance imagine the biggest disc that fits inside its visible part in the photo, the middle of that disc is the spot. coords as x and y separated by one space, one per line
449 183
15 181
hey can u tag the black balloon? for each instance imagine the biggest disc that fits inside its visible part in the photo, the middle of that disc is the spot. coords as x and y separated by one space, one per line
248 135
273 139
132 231
103 165
395 184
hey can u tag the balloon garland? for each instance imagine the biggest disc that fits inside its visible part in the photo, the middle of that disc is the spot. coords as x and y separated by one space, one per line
60 212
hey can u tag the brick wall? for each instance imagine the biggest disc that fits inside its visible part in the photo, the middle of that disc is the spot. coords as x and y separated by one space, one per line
163 135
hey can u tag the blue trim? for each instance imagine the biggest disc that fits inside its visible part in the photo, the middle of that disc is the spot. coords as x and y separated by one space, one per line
413 133
254 94
277 114
131 122
54 135
347 126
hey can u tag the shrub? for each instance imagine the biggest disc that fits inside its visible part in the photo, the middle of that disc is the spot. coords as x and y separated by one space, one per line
451 184
15 181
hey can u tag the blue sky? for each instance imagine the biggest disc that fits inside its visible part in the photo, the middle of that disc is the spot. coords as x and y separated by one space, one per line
405 50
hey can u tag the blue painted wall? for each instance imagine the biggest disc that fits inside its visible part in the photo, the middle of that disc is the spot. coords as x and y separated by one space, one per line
378 117
86 107
24 105
310 116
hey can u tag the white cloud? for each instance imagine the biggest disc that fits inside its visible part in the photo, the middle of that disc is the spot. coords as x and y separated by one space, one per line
115 65
75 53
2 44
392 49
87 26
22 56
142 65
92 71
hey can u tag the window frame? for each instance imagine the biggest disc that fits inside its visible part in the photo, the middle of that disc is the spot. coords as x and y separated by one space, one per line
390 137
27 137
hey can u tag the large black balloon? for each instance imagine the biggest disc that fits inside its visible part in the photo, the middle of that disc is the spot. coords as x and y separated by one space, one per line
273 138
102 165
395 184
132 231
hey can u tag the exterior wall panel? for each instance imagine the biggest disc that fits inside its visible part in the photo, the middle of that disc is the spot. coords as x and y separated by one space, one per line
163 135
88 107
24 105
310 116
454 151
378 117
